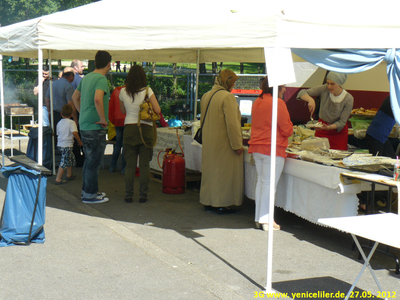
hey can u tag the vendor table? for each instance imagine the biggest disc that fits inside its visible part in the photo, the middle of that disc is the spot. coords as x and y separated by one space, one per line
371 227
310 190
376 179
166 138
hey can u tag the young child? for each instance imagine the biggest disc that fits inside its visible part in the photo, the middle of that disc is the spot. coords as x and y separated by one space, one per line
66 132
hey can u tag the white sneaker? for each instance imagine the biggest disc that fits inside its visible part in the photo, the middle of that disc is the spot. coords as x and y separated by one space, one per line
98 199
98 194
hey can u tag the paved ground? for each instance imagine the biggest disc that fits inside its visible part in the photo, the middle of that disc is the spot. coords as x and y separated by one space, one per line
170 248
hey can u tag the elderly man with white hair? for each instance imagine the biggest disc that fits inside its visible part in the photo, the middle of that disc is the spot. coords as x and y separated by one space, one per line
62 94
77 65
335 109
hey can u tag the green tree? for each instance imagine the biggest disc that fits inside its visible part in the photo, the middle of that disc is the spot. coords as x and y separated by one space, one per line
12 11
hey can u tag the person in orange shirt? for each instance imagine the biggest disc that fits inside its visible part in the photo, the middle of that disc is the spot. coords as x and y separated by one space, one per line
260 147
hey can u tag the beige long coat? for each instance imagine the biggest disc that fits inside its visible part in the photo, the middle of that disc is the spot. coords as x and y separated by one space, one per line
222 182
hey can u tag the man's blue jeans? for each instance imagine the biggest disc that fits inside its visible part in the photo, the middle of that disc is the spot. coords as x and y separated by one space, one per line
94 144
119 131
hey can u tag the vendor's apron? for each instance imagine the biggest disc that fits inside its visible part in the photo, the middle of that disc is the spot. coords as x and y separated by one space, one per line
337 140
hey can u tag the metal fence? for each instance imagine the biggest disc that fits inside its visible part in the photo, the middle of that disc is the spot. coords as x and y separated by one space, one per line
170 88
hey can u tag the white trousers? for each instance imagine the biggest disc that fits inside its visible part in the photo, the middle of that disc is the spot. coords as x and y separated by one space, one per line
263 166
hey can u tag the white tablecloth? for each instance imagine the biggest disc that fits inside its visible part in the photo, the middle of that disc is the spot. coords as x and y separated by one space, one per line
192 154
320 195
166 138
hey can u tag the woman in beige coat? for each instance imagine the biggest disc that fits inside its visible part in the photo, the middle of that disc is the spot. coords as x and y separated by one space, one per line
222 153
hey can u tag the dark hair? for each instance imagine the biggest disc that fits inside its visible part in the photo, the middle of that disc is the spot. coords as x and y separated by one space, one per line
67 74
135 81
266 89
66 111
102 59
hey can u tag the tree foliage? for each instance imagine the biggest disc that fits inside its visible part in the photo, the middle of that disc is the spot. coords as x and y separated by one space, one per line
12 11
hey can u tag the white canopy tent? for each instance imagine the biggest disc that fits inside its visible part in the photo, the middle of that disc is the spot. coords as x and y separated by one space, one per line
215 31
222 31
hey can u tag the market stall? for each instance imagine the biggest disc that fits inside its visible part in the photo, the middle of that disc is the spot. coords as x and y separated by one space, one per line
311 185
240 33
310 190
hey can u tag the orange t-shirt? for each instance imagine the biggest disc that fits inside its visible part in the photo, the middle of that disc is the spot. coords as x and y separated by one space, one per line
261 125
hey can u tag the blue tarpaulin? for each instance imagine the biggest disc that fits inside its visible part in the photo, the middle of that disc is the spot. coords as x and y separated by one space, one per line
174 122
22 221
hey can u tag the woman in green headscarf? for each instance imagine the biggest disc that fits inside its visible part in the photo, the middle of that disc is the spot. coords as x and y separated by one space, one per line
222 153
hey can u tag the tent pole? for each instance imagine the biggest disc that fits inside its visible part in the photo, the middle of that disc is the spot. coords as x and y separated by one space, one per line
40 105
277 60
268 287
2 110
197 85
51 116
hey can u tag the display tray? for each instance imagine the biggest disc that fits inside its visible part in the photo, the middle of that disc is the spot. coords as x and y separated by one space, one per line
292 155
363 116
373 168
317 125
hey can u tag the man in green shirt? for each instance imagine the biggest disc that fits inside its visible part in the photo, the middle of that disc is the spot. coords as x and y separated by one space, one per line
91 100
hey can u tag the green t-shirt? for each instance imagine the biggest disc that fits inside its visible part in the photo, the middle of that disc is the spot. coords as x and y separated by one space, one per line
88 114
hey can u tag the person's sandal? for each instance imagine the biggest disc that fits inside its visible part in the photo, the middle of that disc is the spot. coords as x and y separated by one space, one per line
60 182
265 227
72 177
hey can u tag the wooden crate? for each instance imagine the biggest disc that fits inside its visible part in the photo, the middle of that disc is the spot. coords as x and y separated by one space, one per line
156 175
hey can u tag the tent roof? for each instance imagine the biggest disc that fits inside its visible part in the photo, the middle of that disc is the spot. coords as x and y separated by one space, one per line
174 31
340 24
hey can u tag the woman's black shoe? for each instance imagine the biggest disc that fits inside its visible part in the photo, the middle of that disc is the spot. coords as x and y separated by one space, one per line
224 210
142 200
208 208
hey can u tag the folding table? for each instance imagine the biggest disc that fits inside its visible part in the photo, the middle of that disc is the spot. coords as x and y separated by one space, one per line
375 179
371 227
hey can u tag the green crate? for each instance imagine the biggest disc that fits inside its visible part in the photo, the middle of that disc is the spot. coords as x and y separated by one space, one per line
359 123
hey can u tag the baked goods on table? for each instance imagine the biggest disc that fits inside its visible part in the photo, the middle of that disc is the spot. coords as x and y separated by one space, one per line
314 125
364 111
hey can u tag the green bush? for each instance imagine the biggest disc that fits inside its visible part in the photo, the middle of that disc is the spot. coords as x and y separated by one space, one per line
170 89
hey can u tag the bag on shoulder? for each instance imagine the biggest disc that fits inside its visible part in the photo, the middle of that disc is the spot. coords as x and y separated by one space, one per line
146 112
198 137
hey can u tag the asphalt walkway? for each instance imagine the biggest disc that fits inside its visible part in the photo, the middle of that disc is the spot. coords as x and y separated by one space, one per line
170 248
